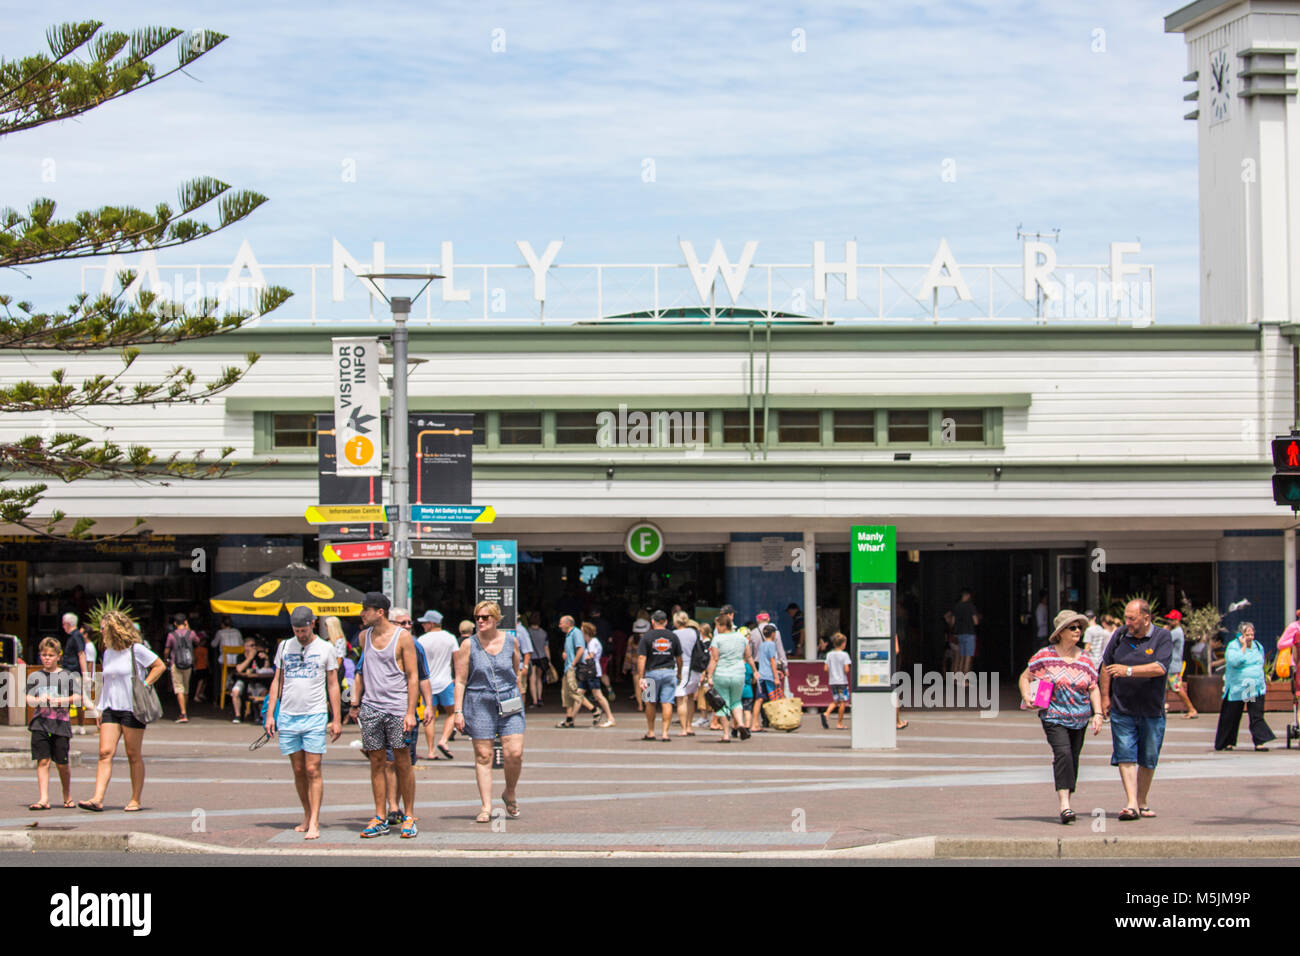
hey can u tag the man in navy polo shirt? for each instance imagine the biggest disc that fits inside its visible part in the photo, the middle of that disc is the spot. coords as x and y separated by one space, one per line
1133 672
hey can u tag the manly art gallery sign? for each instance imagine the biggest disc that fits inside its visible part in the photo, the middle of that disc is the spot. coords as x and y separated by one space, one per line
834 285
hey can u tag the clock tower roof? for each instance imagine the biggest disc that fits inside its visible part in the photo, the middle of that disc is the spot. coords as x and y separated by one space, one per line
1189 16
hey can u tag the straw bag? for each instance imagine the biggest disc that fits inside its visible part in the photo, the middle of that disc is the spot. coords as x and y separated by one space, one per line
784 714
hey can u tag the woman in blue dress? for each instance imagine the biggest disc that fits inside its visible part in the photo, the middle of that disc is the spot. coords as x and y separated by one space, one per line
489 704
1243 687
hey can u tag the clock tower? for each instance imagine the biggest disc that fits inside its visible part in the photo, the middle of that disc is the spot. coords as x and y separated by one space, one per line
1242 65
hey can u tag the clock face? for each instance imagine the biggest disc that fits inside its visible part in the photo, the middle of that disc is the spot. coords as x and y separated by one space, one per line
1220 85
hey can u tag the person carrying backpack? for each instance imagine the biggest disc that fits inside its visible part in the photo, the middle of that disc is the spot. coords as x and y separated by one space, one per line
179 653
696 655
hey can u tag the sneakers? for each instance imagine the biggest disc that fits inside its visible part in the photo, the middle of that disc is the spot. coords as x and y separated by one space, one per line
377 827
409 829
236 721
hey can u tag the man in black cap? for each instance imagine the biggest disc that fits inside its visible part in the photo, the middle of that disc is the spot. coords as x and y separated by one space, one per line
384 700
306 687
658 671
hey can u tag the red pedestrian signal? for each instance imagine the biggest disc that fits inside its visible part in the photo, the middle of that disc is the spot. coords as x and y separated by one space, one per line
1286 480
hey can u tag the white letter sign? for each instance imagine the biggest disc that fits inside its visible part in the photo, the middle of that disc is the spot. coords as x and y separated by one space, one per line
943 261
733 276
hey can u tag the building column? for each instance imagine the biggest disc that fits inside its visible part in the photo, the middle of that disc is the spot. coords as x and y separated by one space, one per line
1288 575
810 596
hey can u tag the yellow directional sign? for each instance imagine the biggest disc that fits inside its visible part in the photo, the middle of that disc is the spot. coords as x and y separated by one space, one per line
339 514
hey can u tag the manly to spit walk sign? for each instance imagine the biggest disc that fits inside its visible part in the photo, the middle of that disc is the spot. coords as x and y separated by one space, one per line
357 422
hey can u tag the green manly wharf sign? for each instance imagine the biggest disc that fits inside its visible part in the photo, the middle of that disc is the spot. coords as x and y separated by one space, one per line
873 554
644 542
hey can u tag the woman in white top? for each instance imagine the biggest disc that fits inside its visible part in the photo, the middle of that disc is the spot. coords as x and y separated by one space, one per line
122 649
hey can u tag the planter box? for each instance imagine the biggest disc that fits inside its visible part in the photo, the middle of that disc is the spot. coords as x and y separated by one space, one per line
1206 694
1279 696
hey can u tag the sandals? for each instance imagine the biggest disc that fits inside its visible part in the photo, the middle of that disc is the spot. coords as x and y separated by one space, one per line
92 807
484 816
649 737
1128 813
132 809
69 804
1068 816
743 732
1146 812
446 752
39 806
512 807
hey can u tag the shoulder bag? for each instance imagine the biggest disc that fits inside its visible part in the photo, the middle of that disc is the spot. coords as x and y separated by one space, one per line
512 705
144 699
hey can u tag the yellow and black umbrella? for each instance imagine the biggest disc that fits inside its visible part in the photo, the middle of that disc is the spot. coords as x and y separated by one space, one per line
294 585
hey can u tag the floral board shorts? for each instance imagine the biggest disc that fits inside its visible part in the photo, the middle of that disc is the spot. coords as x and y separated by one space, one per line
380 731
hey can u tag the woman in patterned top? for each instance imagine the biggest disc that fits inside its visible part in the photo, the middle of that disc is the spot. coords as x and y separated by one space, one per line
1075 703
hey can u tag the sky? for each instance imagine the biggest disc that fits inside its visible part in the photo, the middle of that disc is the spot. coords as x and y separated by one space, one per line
624 128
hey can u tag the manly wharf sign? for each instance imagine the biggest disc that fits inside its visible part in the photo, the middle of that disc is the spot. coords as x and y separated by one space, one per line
727 286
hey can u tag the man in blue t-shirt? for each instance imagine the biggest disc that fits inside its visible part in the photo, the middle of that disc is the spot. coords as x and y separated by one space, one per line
575 649
1132 680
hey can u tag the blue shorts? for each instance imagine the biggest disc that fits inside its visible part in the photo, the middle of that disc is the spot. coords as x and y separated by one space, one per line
302 732
966 645
593 684
1136 739
662 689
409 740
446 698
840 693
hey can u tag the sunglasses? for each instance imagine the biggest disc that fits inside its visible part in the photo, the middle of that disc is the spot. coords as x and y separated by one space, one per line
1073 627
484 617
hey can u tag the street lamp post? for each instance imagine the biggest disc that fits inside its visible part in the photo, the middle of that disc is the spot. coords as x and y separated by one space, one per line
399 456
400 464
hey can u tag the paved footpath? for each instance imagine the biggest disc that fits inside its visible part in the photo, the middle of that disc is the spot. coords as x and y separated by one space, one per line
958 785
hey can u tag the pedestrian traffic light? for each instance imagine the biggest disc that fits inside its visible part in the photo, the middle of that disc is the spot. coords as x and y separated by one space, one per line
1286 478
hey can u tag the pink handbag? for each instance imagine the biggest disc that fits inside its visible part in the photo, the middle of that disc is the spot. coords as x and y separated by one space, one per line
1043 693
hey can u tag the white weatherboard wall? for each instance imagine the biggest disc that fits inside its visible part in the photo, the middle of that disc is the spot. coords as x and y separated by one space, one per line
1087 408
1093 407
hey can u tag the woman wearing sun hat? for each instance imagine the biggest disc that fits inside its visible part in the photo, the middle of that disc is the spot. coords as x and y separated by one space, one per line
1075 702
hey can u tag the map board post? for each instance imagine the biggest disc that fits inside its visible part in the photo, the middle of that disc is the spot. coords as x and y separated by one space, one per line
497 579
873 577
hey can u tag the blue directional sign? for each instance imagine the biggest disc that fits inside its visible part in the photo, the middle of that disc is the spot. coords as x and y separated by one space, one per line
454 514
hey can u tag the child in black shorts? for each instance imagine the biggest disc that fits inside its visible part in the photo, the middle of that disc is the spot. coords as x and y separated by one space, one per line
50 692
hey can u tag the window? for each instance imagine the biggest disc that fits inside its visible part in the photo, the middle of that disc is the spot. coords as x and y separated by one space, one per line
910 425
480 435
858 425
735 426
800 426
969 424
520 428
575 428
293 431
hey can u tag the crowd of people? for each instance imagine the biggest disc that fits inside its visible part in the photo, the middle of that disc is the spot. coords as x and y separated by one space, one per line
481 680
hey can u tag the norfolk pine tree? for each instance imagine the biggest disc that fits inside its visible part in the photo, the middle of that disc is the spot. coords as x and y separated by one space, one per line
86 69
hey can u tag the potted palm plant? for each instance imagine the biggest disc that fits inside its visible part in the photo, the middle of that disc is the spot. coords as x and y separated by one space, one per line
1202 626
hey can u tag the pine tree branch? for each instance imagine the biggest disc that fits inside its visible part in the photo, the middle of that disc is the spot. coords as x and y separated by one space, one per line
37 237
38 90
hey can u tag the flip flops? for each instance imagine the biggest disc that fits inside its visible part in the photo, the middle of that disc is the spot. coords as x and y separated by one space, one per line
512 807
39 806
92 807
1146 812
1128 813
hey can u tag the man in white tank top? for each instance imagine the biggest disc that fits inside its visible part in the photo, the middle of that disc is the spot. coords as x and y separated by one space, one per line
384 700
